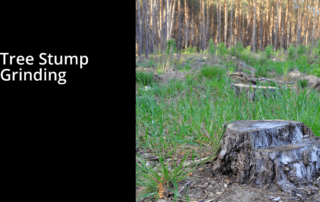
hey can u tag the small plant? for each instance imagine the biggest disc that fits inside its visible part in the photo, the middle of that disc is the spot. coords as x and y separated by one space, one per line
247 50
187 67
291 52
222 49
171 44
261 71
269 51
144 78
316 72
303 83
212 48
247 71
301 49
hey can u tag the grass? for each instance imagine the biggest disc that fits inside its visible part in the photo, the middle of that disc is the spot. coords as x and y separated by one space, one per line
188 116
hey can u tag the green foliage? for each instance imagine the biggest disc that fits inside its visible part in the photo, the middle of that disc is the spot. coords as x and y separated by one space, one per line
171 44
247 50
212 47
261 72
301 49
247 71
212 72
316 72
303 83
144 78
222 49
291 52
147 104
269 51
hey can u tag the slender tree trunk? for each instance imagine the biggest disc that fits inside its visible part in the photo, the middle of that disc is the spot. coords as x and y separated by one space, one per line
299 24
314 22
225 21
271 24
172 18
307 24
236 17
277 27
254 28
281 25
179 32
248 23
203 27
261 24
140 30
293 36
207 27
219 18
192 24
147 28
230 43
186 22
288 16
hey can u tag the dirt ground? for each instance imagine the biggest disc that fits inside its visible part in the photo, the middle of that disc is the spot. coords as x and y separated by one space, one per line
203 187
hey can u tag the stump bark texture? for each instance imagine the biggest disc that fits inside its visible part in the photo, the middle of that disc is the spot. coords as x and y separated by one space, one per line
264 153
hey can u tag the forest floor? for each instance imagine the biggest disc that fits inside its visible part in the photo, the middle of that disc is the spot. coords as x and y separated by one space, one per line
199 184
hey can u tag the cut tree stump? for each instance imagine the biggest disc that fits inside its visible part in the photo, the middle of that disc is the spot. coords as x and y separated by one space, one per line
271 152
251 90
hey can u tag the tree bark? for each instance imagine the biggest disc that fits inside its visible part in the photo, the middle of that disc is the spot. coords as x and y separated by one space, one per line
277 27
299 23
314 22
261 24
270 153
179 32
186 21
225 21
140 29
147 29
254 27
231 33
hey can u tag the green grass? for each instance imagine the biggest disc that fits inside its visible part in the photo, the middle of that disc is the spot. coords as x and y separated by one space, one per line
144 78
190 117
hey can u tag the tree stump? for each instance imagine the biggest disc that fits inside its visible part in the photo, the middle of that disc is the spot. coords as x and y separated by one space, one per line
263 153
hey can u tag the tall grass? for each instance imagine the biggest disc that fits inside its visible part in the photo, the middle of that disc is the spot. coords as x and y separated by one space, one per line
188 116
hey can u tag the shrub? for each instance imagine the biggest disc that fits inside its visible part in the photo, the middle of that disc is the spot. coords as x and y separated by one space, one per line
261 71
303 83
247 50
291 52
301 49
269 51
212 48
144 78
222 49
171 44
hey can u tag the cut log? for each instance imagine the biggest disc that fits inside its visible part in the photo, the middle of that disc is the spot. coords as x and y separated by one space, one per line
251 90
271 152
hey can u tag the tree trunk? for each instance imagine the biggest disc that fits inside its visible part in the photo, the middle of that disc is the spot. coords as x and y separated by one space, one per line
147 29
314 22
277 27
186 21
307 25
192 24
140 29
254 27
271 153
281 26
231 14
219 19
288 17
225 21
261 25
179 32
203 27
299 24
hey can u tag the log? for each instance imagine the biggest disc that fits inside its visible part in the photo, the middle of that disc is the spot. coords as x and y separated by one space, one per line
271 152
251 90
